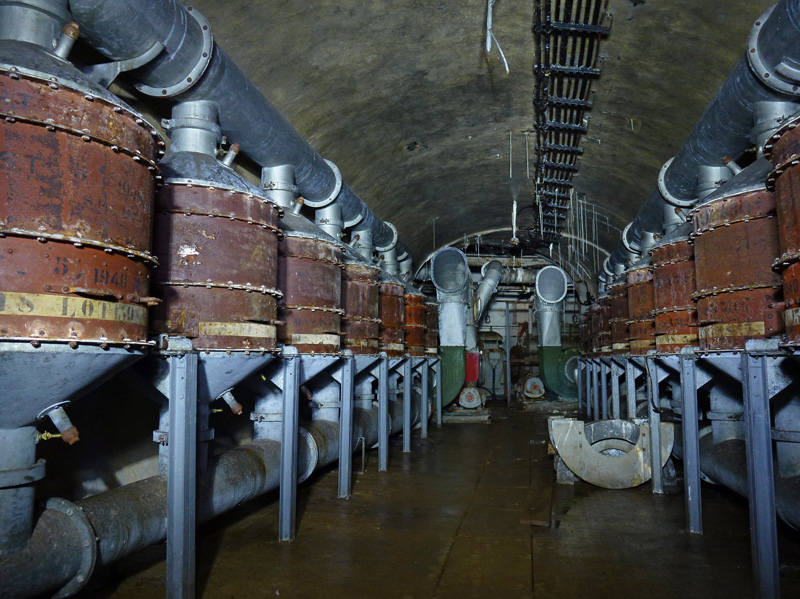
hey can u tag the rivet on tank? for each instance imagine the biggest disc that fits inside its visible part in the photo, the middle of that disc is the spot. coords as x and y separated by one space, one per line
739 297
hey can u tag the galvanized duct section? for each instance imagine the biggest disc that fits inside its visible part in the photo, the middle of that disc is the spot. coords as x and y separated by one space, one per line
724 130
192 67
556 365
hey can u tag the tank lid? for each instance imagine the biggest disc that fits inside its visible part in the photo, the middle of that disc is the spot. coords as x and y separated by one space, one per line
194 168
750 179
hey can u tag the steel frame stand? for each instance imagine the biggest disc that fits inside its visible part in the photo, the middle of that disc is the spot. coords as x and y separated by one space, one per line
603 388
287 517
617 370
580 384
759 388
595 390
383 413
656 374
181 468
424 366
630 386
347 386
690 418
407 383
437 372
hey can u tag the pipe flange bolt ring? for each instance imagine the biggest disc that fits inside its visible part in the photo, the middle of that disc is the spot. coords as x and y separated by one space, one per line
197 70
662 188
393 242
16 477
87 540
632 248
333 195
784 78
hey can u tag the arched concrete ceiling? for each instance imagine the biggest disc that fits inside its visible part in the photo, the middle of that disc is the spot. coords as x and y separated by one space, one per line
402 96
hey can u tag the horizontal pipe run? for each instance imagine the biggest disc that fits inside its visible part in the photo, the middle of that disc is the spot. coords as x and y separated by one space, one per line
130 518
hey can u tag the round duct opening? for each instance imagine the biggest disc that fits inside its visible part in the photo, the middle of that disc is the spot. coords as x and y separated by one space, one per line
551 284
450 270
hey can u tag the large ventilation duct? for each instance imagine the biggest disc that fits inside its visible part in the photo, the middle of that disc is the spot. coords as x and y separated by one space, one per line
556 364
492 275
451 277
767 74
178 59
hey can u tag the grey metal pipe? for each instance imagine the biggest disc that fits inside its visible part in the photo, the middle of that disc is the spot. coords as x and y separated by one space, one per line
723 130
726 463
123 30
451 276
130 518
492 273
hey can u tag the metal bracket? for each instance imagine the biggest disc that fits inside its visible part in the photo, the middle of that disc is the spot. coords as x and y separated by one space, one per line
105 73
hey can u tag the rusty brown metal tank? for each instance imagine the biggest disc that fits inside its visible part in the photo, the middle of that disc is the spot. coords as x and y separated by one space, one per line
641 325
77 182
392 318
604 325
414 324
219 261
593 328
310 278
783 149
739 296
620 338
674 285
431 328
361 303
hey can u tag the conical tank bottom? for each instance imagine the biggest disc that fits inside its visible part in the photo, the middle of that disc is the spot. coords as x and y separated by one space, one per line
217 371
35 378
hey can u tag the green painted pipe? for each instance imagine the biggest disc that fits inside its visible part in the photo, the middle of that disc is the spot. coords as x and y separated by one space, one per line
453 372
552 361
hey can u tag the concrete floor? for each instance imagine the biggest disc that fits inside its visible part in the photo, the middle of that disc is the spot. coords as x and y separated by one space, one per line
465 515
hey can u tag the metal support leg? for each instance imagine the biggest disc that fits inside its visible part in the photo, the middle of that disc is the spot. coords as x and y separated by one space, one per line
383 415
595 390
615 374
580 386
763 525
181 476
691 446
508 354
604 389
346 428
654 417
630 382
407 376
289 434
587 377
424 415
438 373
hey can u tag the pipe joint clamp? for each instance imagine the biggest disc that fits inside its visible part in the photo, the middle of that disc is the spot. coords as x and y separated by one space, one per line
662 188
785 76
87 539
393 242
333 195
